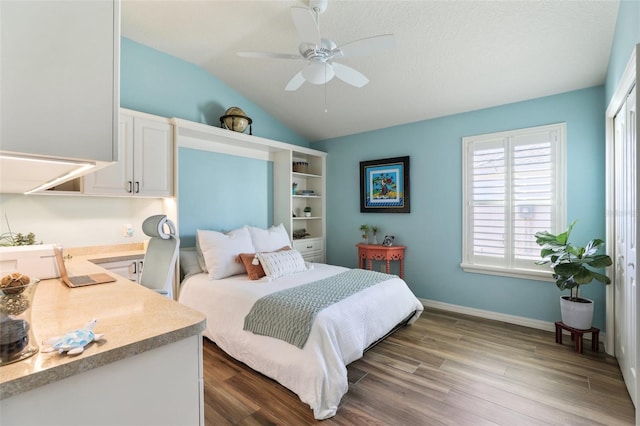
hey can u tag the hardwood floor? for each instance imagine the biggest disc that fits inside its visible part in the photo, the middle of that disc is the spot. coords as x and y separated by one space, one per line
446 368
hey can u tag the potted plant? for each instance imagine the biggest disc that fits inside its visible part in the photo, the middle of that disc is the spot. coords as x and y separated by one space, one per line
11 239
571 267
374 231
365 233
307 211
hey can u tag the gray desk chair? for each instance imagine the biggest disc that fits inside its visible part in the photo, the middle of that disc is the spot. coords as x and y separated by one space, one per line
162 252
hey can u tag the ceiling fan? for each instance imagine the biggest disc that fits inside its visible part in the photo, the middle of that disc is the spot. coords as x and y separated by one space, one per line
320 52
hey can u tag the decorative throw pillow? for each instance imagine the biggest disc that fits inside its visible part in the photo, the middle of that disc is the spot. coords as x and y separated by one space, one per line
252 264
220 251
282 263
189 264
269 240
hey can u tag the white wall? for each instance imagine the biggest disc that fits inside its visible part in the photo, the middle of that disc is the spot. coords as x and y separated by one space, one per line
79 221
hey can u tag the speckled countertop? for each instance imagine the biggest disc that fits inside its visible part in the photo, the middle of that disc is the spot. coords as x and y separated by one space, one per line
133 318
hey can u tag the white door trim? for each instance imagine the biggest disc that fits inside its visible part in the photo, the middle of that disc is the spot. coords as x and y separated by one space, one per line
625 85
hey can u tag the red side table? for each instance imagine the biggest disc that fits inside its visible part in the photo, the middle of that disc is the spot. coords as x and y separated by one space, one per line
371 252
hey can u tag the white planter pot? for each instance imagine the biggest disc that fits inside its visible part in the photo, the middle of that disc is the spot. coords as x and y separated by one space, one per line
578 315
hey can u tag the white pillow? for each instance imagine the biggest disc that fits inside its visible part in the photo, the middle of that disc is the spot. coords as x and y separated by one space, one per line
271 239
282 263
220 251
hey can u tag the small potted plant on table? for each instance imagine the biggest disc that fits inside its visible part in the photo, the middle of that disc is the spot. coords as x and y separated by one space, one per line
374 231
307 211
365 233
571 269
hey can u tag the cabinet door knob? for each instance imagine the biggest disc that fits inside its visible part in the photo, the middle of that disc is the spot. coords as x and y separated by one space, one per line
135 268
137 187
130 187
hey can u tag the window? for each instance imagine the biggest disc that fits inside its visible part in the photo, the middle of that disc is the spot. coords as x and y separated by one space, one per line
513 186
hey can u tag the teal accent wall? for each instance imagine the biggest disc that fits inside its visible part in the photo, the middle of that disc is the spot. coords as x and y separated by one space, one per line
157 83
625 38
432 231
213 196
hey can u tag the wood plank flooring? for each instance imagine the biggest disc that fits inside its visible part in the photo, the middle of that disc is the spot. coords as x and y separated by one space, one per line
445 369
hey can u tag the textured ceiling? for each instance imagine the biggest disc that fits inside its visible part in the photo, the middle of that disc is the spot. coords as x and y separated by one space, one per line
451 56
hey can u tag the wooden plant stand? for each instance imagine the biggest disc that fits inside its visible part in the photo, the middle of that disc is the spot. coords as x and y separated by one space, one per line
576 335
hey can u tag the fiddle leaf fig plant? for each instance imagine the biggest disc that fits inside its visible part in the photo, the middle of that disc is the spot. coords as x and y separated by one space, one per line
572 265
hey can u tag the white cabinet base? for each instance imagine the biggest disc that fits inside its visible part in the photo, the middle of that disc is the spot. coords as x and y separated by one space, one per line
312 249
163 386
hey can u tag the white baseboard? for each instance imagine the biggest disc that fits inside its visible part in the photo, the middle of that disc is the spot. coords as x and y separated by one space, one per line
511 319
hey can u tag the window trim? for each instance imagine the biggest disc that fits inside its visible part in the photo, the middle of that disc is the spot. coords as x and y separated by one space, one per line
559 214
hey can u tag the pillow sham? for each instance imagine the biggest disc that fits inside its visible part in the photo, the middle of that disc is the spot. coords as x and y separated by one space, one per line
269 240
282 263
189 264
220 251
252 264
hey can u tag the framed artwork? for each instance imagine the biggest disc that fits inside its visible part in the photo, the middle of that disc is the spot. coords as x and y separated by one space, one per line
384 186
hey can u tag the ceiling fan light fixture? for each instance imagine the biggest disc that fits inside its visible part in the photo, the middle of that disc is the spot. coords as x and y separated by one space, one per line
318 72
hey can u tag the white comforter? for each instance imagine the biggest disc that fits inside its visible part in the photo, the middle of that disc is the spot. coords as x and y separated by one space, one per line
340 333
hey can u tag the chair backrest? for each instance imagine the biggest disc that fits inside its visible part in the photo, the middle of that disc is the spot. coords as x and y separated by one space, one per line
161 255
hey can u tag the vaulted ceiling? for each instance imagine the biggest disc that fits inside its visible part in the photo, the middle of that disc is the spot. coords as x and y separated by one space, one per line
450 56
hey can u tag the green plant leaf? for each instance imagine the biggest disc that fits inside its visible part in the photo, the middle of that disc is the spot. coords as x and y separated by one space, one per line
600 261
600 277
565 284
583 276
593 246
567 269
547 238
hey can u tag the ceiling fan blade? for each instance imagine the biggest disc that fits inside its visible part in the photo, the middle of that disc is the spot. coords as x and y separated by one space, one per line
295 83
349 75
368 46
269 55
305 24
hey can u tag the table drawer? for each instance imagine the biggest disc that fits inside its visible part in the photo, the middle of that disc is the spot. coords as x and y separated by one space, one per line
308 245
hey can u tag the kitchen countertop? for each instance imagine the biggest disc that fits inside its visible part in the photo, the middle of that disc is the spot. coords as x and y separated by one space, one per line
133 318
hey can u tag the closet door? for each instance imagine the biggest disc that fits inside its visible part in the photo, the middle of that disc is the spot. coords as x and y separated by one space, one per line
625 240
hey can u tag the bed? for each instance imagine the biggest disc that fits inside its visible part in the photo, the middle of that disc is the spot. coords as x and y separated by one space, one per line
339 334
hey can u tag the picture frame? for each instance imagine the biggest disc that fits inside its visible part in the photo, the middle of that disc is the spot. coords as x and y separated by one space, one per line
384 186
388 240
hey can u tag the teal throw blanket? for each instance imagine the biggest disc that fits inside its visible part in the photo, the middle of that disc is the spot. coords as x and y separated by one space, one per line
288 314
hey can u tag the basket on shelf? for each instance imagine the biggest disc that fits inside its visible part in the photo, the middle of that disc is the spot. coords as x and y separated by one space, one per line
300 166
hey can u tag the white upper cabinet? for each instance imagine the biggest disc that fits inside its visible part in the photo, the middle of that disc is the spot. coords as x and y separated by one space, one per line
59 78
146 160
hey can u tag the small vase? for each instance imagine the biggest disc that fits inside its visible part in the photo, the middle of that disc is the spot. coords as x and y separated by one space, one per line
18 341
375 239
365 239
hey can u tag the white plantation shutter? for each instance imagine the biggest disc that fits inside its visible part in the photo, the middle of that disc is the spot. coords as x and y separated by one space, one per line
513 187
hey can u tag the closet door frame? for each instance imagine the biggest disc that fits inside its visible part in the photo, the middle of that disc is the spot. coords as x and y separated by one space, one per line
628 80
625 85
